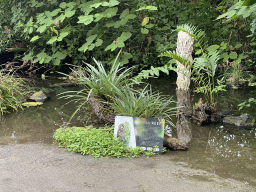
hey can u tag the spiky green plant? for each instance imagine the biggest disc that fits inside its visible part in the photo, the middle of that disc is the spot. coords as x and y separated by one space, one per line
100 83
145 103
12 91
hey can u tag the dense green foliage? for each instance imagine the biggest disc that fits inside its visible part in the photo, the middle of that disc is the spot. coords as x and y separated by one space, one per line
96 142
53 31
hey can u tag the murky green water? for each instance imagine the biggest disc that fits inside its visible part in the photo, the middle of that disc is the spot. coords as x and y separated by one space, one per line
226 150
37 124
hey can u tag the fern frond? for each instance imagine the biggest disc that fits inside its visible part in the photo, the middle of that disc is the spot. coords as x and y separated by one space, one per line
186 62
191 30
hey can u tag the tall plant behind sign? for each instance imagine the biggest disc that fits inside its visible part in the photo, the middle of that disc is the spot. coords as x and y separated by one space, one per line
146 133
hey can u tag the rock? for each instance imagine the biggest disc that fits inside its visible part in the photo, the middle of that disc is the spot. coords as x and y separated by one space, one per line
38 96
175 144
242 120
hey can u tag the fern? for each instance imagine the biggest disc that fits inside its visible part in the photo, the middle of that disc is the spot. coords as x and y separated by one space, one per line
191 30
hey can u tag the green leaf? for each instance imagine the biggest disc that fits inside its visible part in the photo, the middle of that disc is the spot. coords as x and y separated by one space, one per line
63 5
62 35
249 2
99 42
113 3
120 44
110 12
124 13
110 23
55 12
125 58
238 45
144 31
52 40
96 5
34 38
59 55
86 20
150 8
199 51
149 26
225 56
69 13
233 55
131 16
86 45
223 46
91 38
125 35
212 48
231 13
56 62
91 47
30 30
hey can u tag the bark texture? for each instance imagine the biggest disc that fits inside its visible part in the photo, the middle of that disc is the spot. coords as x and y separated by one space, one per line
184 48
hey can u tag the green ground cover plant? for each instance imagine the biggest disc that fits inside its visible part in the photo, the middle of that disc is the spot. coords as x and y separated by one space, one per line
95 142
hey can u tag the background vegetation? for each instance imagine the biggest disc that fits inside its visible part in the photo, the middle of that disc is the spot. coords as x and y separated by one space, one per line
53 31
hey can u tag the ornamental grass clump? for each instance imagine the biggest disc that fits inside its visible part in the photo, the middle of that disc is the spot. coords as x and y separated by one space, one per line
145 103
12 91
95 142
101 83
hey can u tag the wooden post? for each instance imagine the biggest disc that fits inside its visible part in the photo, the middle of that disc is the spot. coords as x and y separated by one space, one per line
184 48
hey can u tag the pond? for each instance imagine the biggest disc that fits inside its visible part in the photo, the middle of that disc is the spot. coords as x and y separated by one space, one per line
226 150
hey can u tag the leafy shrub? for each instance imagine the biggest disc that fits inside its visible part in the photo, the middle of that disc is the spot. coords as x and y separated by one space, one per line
12 91
96 142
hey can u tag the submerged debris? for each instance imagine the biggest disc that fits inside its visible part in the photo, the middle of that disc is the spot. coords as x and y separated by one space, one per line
204 113
242 120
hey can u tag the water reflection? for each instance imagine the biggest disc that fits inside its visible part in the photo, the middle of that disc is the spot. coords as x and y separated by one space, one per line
228 151
183 122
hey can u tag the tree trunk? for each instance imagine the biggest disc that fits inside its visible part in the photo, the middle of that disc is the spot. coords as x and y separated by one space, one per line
184 110
184 48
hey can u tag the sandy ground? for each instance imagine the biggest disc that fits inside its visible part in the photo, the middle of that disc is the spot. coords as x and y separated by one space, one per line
47 168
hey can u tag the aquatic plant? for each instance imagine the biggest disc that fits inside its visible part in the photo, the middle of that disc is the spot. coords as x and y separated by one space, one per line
12 91
143 103
204 76
100 83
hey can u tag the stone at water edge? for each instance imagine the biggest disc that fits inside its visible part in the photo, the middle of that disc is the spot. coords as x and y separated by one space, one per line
175 144
38 96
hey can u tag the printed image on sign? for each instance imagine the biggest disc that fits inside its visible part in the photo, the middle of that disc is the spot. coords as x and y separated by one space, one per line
124 130
140 132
